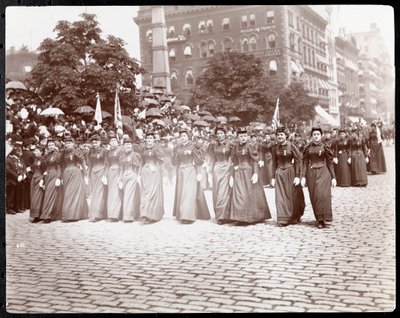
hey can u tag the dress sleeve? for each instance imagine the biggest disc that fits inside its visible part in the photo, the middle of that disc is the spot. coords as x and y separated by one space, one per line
329 160
305 161
297 160
234 157
254 155
274 161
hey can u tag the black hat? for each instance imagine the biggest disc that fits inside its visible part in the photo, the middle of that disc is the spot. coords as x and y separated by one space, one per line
297 134
242 130
68 139
183 130
280 130
316 129
354 130
111 135
127 140
221 128
342 130
150 133
95 137
29 141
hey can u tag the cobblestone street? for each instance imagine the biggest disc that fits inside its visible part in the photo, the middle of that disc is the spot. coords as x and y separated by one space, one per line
204 267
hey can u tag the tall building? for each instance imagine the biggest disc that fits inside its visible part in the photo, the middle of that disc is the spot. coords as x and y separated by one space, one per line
290 41
19 63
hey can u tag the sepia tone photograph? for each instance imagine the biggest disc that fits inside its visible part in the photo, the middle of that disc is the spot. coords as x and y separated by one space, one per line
199 159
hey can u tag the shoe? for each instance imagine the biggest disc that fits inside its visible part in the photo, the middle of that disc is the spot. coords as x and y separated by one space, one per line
46 221
128 221
34 220
11 212
94 220
321 224
282 225
113 220
220 222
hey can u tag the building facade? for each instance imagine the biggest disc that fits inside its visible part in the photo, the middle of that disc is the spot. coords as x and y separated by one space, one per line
19 63
290 41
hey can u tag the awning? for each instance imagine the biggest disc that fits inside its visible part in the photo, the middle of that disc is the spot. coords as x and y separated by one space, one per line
324 84
188 50
294 67
326 116
273 66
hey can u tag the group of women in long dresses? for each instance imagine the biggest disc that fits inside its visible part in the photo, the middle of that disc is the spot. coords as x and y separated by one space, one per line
126 182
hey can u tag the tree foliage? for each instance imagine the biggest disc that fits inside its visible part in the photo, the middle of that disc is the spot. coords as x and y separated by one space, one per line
79 63
235 84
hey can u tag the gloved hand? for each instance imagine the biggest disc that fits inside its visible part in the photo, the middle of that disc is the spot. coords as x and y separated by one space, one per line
41 183
254 178
366 159
303 182
296 181
335 161
273 183
333 182
120 185
349 160
231 181
19 179
104 180
139 179
86 180
58 182
199 177
236 167
261 163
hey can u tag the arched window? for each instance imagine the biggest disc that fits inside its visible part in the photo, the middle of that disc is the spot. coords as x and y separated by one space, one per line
186 29
171 31
244 21
187 51
210 25
252 19
245 45
174 80
189 77
228 44
202 27
226 24
272 41
253 44
211 48
270 17
272 67
203 49
172 54
149 35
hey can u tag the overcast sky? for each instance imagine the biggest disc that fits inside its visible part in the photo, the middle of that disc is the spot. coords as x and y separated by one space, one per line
30 25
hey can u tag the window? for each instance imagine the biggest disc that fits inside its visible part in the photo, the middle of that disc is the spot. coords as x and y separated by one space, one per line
211 48
298 23
226 24
270 17
172 54
203 49
171 31
252 19
305 54
202 27
210 25
228 44
245 45
291 40
174 80
149 35
313 57
290 18
307 33
272 41
312 36
253 44
189 77
187 52
309 56
244 21
304 31
186 29
299 44
272 67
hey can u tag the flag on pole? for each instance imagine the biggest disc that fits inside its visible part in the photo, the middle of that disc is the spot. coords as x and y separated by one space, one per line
275 118
142 114
97 115
118 117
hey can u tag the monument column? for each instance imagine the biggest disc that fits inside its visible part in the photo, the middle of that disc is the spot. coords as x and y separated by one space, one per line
161 76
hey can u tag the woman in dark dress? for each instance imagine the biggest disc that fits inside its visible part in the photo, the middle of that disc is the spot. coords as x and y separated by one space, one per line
190 203
51 209
286 163
37 185
341 160
75 206
222 170
151 178
249 204
114 195
377 162
266 151
97 180
128 182
358 160
319 174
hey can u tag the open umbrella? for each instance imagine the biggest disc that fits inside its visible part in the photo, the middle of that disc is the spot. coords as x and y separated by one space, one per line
205 113
193 117
234 119
178 108
156 91
105 114
84 109
221 119
209 118
168 121
153 112
126 120
145 88
52 111
15 85
152 101
159 122
185 107
201 123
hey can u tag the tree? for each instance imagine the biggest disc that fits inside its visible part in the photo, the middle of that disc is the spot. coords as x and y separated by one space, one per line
235 84
79 63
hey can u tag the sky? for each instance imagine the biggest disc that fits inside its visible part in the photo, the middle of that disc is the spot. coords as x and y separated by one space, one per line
31 25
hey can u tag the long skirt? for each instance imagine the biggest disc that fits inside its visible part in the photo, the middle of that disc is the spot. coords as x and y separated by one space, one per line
190 203
130 196
37 195
52 201
267 170
98 193
249 203
75 205
114 195
222 192
152 194
289 199
377 162
343 170
358 169
319 187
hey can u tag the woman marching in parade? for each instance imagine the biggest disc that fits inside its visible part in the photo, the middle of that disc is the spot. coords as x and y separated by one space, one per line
151 178
377 163
114 195
358 160
74 205
222 170
342 165
37 185
248 204
52 200
286 163
319 174
190 203
128 182
97 180
266 151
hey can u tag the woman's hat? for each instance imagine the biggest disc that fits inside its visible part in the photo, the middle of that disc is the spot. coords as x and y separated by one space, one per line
95 137
221 128
316 129
127 140
242 130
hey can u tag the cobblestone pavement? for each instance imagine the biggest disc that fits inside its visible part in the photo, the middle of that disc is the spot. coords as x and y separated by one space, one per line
204 267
